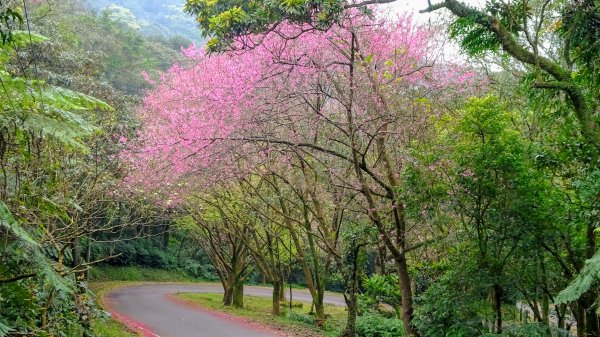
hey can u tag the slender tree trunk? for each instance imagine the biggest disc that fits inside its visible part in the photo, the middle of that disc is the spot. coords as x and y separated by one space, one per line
497 304
350 330
350 295
406 291
166 235
282 290
545 309
561 310
591 318
76 252
319 307
88 256
580 317
380 261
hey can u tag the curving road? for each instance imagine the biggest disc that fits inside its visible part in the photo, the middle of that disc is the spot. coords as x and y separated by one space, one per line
151 310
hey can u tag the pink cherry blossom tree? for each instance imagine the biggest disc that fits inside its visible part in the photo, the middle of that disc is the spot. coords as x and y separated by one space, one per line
345 102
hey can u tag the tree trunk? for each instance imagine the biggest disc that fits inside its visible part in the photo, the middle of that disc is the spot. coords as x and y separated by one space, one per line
580 317
591 318
545 309
76 252
350 295
350 330
277 286
380 261
88 256
166 235
497 304
238 294
406 291
228 295
282 291
561 310
319 307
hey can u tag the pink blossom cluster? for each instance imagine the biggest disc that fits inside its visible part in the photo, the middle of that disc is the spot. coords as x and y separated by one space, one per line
195 113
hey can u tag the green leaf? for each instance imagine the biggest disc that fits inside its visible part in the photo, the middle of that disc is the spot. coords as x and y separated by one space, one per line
4 329
9 222
589 275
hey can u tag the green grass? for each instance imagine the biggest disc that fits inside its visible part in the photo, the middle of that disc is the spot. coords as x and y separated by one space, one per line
111 328
259 309
110 273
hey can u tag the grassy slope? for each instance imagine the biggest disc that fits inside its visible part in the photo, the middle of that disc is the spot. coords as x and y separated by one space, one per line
109 273
259 309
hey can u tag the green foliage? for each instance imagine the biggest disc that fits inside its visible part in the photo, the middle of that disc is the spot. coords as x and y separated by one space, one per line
51 111
451 306
474 31
474 39
114 56
380 289
9 222
43 289
224 20
580 24
110 328
374 325
181 258
587 278
11 19
301 317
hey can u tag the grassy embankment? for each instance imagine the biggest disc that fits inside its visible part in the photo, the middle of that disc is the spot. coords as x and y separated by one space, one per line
297 322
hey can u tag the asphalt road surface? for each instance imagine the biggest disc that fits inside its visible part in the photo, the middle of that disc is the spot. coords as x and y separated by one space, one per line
150 309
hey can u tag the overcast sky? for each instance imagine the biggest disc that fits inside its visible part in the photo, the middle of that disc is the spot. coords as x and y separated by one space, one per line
414 6
450 50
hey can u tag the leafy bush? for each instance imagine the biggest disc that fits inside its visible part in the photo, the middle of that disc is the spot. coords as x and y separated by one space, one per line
451 306
374 325
379 289
300 317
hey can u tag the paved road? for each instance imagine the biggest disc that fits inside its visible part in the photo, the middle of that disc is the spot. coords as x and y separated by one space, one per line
148 307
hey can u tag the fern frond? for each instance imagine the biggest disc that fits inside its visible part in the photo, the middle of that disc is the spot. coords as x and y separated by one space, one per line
12 225
587 278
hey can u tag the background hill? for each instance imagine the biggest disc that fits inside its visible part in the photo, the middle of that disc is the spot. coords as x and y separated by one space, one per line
152 17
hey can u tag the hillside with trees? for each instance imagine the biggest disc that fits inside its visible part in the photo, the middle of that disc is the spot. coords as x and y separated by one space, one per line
152 17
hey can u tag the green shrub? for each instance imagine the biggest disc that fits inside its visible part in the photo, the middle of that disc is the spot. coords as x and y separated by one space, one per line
379 289
374 325
300 317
